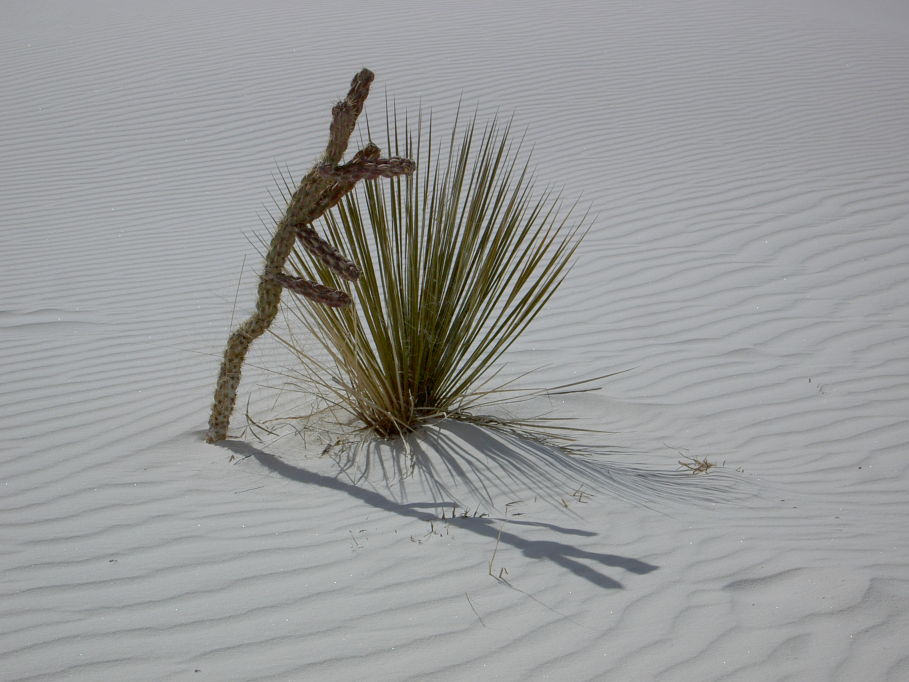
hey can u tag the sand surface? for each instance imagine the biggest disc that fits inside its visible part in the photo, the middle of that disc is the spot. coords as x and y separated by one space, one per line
749 267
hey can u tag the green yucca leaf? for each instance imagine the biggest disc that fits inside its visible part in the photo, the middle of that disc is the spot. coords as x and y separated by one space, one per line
457 260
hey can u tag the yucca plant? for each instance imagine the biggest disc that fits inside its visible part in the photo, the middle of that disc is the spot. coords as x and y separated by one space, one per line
457 259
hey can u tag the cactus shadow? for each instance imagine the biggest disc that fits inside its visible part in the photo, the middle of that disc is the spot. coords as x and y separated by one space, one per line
586 564
441 471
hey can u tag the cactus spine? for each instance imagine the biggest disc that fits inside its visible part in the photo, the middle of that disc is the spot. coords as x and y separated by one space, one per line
320 189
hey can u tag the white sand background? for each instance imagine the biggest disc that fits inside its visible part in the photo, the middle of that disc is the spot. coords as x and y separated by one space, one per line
749 165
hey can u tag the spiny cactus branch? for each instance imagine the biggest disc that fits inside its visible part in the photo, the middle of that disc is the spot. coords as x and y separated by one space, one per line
313 290
367 170
326 192
315 195
328 254
366 164
344 116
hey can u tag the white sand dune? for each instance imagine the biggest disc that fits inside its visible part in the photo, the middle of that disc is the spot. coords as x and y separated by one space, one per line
747 162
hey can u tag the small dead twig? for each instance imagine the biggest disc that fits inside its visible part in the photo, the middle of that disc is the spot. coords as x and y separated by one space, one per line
475 612
696 466
502 571
580 494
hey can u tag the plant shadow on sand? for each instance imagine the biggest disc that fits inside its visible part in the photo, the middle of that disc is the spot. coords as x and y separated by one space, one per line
468 464
487 461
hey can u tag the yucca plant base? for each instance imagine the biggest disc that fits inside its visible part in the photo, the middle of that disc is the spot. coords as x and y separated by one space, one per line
457 259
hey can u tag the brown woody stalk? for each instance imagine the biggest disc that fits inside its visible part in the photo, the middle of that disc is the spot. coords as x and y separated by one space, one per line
320 189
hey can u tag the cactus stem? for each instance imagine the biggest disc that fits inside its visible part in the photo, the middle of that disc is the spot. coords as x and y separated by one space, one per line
312 198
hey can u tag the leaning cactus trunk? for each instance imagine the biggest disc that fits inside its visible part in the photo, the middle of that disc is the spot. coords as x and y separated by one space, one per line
322 188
